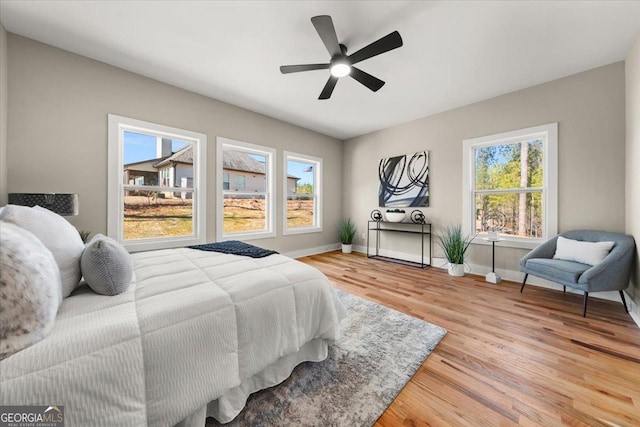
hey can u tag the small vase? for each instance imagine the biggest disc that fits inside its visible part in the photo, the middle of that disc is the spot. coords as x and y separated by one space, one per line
456 270
346 249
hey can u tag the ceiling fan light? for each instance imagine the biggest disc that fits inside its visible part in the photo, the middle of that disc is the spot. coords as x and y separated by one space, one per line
340 69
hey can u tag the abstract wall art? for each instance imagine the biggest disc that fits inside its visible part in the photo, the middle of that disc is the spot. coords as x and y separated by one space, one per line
404 181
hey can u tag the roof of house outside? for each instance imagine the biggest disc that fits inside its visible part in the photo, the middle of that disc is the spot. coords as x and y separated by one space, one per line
240 161
152 161
184 155
234 160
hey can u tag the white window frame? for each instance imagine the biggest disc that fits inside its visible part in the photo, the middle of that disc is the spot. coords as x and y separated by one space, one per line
270 169
549 134
317 193
228 181
116 187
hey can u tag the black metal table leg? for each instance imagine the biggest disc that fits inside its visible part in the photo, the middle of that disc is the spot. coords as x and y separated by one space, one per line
624 303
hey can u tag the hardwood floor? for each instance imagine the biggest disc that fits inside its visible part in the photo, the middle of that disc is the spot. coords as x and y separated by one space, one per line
508 358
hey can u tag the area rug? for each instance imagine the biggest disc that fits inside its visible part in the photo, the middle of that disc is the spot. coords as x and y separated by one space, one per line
378 353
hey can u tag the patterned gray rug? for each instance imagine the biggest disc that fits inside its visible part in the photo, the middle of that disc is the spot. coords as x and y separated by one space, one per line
378 353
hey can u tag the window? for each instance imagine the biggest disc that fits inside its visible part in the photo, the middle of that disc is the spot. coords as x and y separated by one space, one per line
156 185
241 181
511 185
245 210
225 181
302 178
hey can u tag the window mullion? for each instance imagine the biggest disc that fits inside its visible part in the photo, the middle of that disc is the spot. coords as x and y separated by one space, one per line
511 190
159 189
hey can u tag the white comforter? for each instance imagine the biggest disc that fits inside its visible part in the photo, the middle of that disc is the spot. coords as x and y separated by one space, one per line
193 326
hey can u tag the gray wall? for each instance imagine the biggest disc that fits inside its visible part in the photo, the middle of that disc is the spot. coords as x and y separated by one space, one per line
3 115
589 108
632 73
58 106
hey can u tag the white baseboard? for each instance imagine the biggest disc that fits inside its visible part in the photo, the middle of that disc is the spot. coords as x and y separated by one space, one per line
515 276
312 251
393 254
634 310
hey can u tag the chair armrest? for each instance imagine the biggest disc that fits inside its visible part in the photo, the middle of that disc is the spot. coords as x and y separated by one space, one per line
545 250
614 257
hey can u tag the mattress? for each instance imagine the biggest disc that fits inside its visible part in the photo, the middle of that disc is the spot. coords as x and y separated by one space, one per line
193 330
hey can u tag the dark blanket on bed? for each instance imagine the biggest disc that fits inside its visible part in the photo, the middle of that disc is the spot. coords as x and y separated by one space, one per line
235 247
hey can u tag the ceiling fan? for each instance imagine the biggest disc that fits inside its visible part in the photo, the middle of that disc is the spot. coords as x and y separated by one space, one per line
341 64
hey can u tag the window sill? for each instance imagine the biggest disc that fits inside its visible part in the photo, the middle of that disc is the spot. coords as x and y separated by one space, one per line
247 236
508 242
157 244
301 230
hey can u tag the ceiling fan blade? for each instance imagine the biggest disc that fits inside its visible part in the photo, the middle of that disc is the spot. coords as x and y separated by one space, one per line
385 44
286 69
327 32
366 79
328 88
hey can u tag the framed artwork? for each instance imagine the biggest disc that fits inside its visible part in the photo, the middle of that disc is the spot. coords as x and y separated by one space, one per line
404 181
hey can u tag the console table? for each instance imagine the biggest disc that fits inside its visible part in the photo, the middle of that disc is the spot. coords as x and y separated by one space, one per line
419 230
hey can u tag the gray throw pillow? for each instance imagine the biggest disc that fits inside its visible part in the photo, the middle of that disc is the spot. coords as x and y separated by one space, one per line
106 266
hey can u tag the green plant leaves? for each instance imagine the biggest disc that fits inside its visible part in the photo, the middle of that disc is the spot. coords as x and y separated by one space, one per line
454 244
347 231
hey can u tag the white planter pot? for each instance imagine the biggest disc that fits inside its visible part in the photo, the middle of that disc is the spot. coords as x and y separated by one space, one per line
346 249
394 216
456 270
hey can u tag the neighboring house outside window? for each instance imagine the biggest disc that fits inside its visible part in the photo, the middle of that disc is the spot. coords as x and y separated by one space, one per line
302 187
241 182
246 208
157 185
510 185
166 177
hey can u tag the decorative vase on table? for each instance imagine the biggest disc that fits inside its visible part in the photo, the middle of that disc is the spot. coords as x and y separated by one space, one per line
395 215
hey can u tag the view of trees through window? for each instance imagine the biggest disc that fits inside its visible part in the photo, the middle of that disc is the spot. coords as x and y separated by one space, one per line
508 188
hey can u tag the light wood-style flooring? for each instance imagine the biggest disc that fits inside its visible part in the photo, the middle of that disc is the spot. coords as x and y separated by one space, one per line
508 358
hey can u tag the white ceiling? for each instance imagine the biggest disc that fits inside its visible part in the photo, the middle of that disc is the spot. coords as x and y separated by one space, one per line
454 53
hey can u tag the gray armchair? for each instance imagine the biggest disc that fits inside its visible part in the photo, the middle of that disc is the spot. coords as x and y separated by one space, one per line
611 274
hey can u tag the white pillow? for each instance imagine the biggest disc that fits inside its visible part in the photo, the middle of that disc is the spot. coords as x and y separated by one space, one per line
55 232
30 281
585 252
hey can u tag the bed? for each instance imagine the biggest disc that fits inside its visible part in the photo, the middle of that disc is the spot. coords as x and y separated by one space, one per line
193 336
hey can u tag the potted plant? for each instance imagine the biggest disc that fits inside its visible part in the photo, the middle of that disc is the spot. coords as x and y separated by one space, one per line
347 233
454 245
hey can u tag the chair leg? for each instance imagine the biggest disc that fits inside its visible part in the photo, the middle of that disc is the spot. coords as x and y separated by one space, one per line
524 281
564 289
584 304
624 303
